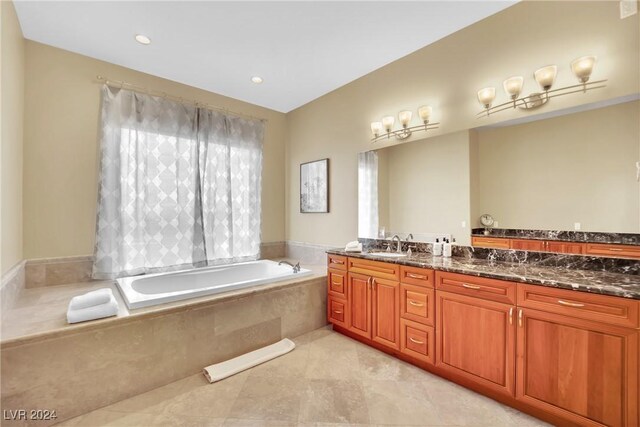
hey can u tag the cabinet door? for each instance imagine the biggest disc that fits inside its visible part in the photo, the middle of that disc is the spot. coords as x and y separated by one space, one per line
359 301
476 340
386 312
528 245
584 371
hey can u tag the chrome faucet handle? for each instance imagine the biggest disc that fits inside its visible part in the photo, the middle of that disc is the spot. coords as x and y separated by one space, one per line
296 268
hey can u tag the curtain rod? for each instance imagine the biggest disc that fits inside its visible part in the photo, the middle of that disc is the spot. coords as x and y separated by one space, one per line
141 89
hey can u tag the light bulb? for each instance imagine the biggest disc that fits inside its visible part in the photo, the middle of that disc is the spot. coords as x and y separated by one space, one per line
376 128
546 76
388 122
405 117
513 86
486 96
425 113
582 67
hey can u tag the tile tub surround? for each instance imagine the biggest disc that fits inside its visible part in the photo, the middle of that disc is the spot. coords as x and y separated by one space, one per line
11 286
307 252
77 269
599 282
541 259
562 236
78 368
304 388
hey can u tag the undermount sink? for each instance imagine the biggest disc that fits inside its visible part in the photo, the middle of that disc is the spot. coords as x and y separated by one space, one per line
387 254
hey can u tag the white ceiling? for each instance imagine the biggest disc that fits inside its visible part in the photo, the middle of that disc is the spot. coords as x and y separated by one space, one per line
302 49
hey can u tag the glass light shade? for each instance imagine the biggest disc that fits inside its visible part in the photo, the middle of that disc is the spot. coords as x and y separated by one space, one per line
513 86
405 117
425 113
486 96
388 122
582 67
376 128
546 76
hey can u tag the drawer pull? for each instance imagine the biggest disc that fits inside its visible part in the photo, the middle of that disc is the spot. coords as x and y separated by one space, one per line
520 318
417 304
416 276
336 261
468 286
511 316
616 249
570 304
337 311
416 341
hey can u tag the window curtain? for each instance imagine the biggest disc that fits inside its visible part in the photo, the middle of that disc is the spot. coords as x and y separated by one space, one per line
179 186
368 194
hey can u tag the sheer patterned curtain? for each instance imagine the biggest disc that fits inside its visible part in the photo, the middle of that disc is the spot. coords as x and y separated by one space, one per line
177 184
368 194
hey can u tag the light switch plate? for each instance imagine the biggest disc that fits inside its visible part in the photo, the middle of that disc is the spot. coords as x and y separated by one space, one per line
628 8
464 224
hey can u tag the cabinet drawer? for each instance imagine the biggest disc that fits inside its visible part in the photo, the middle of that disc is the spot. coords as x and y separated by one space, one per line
417 303
480 287
565 247
601 308
490 242
337 261
417 340
417 276
379 269
528 245
337 283
336 312
617 251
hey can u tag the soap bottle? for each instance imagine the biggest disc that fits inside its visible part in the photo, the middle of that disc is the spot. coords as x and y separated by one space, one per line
446 249
437 248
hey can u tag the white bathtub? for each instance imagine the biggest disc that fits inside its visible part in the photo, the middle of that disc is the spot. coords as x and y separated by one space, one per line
153 289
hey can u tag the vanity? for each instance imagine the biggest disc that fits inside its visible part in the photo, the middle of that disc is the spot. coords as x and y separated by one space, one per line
564 350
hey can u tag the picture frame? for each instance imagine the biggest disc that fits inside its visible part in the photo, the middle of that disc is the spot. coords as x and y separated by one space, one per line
314 186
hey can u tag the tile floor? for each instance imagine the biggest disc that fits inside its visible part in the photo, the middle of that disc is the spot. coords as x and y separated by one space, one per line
328 380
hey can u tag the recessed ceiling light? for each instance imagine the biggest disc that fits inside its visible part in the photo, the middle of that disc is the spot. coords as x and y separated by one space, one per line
142 39
256 79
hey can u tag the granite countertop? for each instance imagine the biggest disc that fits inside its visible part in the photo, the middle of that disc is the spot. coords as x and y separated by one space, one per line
561 236
598 282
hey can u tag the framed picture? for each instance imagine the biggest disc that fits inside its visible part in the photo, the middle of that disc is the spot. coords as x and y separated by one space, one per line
314 187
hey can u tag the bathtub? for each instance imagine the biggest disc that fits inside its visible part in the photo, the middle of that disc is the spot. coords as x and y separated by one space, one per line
154 289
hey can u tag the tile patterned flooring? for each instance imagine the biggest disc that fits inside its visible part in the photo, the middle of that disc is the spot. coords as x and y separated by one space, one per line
328 380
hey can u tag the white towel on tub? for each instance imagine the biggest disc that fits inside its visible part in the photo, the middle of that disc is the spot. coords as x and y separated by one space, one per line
97 297
108 309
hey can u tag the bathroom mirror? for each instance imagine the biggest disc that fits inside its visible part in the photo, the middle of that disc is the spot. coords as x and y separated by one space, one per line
576 171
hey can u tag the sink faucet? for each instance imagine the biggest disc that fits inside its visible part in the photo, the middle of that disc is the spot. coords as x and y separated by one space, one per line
410 237
296 268
399 248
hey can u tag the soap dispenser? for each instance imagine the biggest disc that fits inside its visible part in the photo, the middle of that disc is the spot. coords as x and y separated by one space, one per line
446 249
437 248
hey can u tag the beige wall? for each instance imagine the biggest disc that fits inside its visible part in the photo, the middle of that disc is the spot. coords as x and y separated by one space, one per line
552 173
12 108
61 150
447 75
427 186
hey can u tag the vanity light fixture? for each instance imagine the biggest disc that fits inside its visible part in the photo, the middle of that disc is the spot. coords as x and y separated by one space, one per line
384 128
142 39
546 78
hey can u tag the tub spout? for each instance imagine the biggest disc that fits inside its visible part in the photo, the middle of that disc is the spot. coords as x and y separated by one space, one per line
296 268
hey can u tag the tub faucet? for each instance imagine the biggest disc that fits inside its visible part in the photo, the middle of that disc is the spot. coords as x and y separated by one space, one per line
399 248
296 268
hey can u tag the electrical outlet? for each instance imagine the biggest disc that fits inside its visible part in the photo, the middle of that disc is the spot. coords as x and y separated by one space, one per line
577 226
628 8
464 224
495 224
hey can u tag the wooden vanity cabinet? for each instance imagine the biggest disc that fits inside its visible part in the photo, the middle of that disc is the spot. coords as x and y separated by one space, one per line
569 357
528 245
490 242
